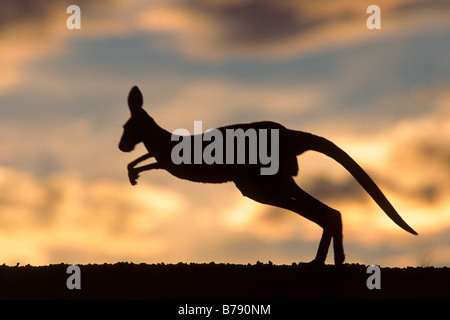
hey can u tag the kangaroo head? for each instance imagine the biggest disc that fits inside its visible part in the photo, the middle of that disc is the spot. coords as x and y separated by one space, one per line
132 130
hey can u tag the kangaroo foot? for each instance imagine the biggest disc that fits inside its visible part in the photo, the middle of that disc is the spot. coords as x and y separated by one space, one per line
339 259
316 263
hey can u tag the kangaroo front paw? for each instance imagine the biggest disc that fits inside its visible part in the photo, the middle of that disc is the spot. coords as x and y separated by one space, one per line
133 176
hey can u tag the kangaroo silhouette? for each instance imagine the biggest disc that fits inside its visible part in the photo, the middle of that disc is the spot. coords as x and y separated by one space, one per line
278 190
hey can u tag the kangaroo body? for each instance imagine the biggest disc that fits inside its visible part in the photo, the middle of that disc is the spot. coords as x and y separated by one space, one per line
278 189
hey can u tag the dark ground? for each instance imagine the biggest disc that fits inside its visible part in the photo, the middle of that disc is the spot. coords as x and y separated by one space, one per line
222 282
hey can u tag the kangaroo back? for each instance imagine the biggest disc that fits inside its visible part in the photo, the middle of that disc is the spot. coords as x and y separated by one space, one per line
322 145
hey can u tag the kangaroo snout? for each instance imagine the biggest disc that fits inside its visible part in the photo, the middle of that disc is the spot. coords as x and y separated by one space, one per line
125 147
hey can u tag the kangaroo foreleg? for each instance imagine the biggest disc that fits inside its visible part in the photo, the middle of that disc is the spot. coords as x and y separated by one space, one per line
134 163
133 173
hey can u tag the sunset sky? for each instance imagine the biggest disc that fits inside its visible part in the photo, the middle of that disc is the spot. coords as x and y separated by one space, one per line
381 95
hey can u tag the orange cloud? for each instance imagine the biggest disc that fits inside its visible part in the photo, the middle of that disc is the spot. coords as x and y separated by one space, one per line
218 29
32 30
62 212
217 103
62 218
214 29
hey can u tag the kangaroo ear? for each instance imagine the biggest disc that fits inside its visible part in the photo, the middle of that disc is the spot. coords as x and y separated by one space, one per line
135 99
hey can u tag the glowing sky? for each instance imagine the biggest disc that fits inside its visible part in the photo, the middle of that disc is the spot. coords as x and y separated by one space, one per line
381 95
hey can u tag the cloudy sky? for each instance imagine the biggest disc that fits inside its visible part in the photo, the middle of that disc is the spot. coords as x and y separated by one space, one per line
382 95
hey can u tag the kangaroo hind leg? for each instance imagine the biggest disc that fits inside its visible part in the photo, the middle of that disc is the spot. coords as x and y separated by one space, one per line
326 217
284 193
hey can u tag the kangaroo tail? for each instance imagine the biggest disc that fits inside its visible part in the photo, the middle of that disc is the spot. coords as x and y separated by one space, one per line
328 148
